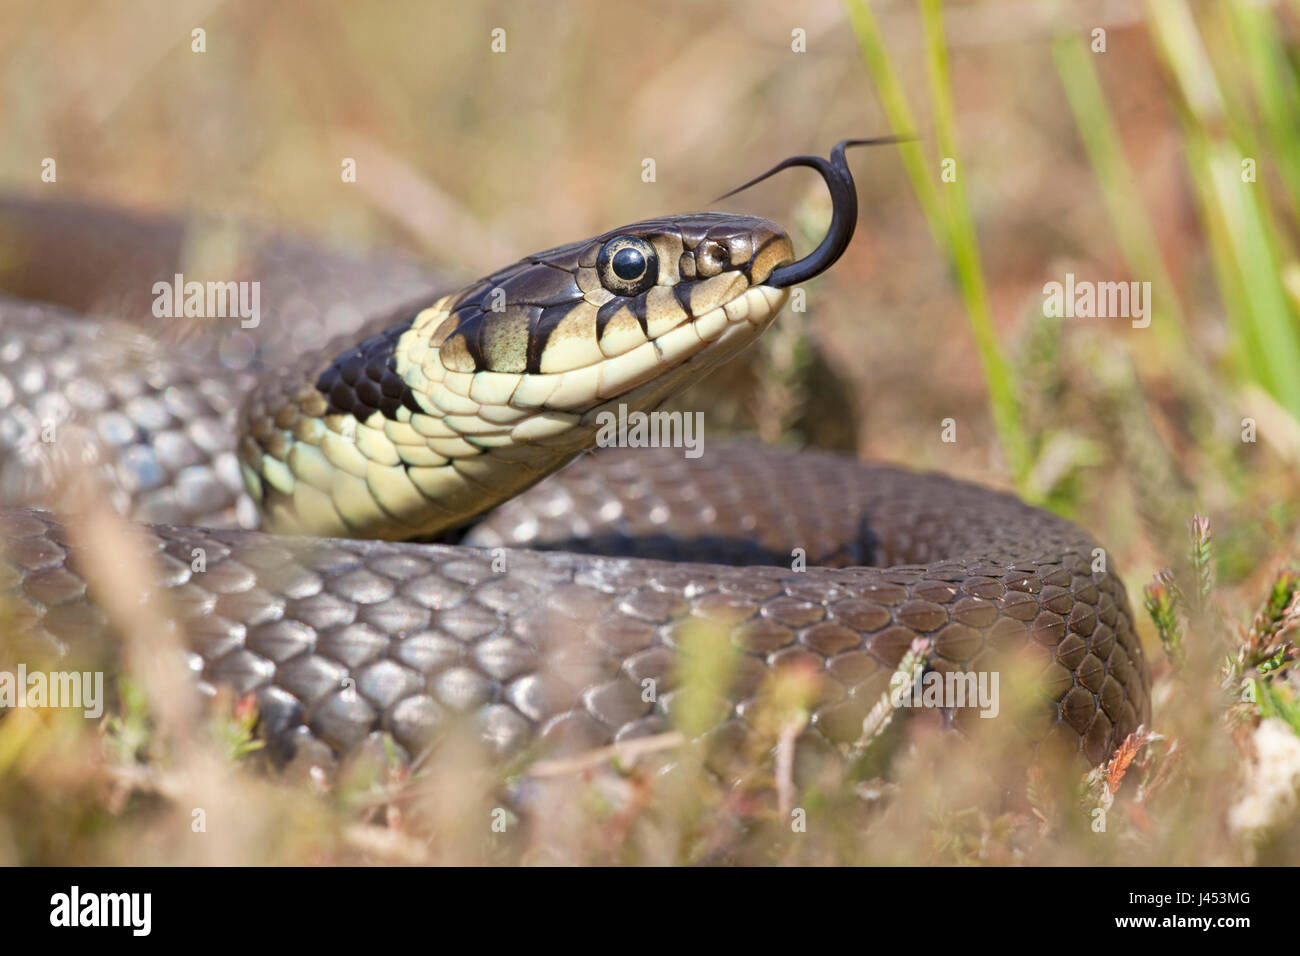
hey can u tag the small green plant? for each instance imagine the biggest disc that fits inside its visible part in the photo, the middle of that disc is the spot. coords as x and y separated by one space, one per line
1263 650
128 732
236 731
1162 603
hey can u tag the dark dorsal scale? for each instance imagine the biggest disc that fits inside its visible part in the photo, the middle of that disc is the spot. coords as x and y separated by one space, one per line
364 379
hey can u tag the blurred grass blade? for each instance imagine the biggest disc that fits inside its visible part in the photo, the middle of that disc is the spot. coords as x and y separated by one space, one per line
1273 82
1221 129
947 211
1119 192
1272 350
1246 245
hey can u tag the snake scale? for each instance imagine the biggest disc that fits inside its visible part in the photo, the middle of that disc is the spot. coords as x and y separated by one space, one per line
566 588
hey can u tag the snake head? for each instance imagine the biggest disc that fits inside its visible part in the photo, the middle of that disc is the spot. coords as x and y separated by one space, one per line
489 389
476 397
572 327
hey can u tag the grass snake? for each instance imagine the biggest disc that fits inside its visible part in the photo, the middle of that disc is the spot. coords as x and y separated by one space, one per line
567 590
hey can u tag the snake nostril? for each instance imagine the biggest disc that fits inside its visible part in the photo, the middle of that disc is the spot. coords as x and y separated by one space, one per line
711 258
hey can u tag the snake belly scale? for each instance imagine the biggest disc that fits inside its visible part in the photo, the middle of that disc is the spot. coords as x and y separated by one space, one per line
455 414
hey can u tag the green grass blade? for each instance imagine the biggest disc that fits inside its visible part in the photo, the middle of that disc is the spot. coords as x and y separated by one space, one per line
947 211
1119 192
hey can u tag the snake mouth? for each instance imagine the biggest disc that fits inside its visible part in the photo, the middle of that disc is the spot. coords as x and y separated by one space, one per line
684 349
646 376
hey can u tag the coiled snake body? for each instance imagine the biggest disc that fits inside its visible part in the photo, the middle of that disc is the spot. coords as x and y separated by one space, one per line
548 618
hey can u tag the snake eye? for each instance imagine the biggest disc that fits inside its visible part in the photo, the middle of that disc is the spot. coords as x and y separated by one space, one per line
627 265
